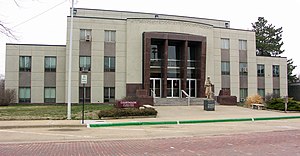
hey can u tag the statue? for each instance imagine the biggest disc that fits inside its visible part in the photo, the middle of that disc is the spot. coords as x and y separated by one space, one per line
208 88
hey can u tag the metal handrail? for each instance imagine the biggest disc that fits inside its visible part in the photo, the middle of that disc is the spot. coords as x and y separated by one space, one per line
188 96
153 95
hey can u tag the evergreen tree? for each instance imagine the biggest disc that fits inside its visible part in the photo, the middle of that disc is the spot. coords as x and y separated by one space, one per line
290 67
268 38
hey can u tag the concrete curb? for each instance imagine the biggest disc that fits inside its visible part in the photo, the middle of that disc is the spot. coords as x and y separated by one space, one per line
141 123
40 126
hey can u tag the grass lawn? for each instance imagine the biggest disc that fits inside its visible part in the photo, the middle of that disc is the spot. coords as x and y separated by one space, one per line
50 112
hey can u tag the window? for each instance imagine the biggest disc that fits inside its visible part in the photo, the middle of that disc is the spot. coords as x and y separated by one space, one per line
25 63
110 36
275 70
261 70
225 43
243 94
24 94
109 94
242 44
85 63
50 95
225 68
276 93
50 64
85 34
109 64
87 97
243 68
261 92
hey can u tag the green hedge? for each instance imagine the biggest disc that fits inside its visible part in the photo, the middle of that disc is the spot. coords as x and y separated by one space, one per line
125 112
278 104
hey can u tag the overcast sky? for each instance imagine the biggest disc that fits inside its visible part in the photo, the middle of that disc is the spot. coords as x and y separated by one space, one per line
50 27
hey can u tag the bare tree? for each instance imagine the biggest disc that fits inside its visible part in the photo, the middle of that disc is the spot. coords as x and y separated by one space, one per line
7 96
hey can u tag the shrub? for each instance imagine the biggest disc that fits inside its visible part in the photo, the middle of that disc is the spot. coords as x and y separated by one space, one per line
116 112
7 97
254 99
279 104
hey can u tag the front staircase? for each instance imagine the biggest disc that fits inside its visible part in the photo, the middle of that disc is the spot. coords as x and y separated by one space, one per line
178 101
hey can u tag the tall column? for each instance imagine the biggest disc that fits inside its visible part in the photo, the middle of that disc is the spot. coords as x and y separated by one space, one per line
147 48
164 69
201 69
183 65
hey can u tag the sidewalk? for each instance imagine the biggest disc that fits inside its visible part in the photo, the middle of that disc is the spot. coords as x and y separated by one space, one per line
165 113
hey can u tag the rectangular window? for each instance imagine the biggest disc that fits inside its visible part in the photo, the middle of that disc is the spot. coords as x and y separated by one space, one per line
261 92
109 94
109 64
276 93
85 34
243 94
85 63
275 70
243 68
25 63
50 95
261 70
87 97
242 44
50 64
24 95
110 36
225 68
225 43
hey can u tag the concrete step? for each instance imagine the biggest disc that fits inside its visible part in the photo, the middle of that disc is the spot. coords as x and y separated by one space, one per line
178 101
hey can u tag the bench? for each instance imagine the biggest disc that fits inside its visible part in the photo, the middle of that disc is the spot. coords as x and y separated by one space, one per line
257 106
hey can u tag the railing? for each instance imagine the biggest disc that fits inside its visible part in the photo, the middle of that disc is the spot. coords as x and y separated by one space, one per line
153 95
173 63
155 62
188 96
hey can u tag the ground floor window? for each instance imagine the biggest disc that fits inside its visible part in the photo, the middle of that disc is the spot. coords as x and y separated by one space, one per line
109 94
87 94
276 93
261 92
243 94
24 95
50 95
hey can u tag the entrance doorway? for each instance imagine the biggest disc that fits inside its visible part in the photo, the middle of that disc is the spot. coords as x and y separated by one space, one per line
155 85
173 88
191 87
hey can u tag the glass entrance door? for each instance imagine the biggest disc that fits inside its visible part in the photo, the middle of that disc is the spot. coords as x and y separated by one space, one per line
191 87
155 85
173 88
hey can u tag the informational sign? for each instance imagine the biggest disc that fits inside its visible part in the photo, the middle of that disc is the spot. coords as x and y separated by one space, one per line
83 79
128 104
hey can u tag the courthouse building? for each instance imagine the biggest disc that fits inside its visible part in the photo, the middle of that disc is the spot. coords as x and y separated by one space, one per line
122 52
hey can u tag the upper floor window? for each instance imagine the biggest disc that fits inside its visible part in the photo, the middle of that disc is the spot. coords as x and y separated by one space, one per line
242 44
243 68
85 63
225 43
110 36
85 34
275 70
225 68
24 94
50 64
25 63
261 70
109 64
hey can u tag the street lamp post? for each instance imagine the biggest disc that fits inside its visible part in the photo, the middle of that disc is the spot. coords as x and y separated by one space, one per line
70 63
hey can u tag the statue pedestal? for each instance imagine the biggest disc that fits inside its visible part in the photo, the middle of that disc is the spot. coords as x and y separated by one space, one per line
209 105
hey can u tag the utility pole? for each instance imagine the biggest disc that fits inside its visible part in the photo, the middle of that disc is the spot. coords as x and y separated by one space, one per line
70 64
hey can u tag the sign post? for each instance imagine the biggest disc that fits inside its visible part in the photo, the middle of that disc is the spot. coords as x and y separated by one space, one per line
83 82
286 100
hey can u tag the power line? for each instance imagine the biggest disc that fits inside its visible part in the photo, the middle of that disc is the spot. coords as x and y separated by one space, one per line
39 14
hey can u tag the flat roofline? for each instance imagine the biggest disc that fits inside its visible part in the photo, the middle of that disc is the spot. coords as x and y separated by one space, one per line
36 44
235 29
152 13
